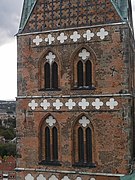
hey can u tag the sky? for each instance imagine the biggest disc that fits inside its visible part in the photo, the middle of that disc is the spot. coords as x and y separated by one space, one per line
10 12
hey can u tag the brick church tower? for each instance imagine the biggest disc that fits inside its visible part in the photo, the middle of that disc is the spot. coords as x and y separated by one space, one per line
75 108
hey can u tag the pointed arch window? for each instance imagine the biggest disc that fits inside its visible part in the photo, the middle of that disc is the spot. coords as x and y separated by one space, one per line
83 143
49 72
48 151
83 70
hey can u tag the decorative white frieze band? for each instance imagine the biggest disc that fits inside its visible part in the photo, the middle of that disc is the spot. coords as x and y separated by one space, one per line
53 177
74 37
71 104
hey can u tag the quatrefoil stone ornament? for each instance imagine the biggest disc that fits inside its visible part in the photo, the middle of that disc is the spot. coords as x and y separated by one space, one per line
62 38
97 104
111 103
75 36
29 177
84 121
45 104
53 177
57 104
88 35
33 105
50 57
83 104
78 178
84 54
37 40
41 177
70 104
102 33
65 178
50 120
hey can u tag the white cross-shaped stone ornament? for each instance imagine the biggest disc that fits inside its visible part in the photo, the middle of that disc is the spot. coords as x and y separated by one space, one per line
45 104
83 104
65 178
49 39
29 177
37 40
41 177
53 177
62 37
75 36
84 54
111 103
88 35
70 104
57 104
84 121
78 178
102 33
50 120
50 57
33 104
97 103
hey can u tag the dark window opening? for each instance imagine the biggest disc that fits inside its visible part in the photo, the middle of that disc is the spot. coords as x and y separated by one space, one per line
47 144
88 145
48 151
55 143
80 73
84 74
54 75
80 145
88 72
47 75
50 76
83 150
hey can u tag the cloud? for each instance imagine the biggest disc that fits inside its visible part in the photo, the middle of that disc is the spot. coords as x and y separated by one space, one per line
10 11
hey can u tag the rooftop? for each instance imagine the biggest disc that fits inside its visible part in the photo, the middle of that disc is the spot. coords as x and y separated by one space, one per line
120 5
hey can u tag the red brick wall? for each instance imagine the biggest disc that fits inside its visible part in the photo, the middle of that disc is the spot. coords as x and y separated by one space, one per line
112 127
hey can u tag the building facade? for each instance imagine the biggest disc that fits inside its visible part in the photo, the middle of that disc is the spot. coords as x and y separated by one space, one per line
75 105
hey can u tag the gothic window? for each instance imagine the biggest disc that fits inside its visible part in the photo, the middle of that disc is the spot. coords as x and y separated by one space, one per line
48 72
83 143
84 69
48 151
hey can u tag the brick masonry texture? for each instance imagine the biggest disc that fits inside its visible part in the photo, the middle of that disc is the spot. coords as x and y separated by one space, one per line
112 62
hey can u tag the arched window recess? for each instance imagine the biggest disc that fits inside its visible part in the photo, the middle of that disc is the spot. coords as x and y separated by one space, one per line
49 140
83 150
84 75
49 72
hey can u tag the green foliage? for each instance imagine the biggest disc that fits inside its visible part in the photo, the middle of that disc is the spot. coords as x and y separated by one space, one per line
8 133
7 149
